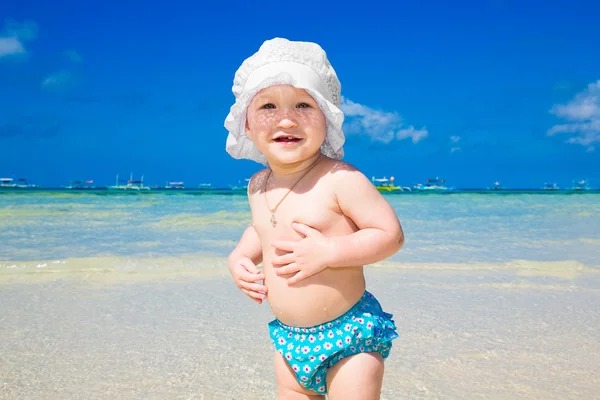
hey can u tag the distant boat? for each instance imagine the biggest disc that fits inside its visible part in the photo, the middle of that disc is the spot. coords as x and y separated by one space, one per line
205 186
581 185
550 186
240 186
387 185
496 186
174 185
79 185
432 184
7 183
130 184
20 184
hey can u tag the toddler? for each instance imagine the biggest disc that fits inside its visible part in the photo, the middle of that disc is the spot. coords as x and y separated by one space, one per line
316 221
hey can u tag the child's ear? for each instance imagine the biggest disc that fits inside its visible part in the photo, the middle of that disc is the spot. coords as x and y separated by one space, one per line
247 128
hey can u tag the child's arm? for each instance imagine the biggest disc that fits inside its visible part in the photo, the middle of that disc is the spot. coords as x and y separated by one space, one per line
246 256
379 236
380 233
242 264
248 246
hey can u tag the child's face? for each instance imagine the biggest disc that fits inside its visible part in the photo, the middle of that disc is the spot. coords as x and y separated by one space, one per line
286 124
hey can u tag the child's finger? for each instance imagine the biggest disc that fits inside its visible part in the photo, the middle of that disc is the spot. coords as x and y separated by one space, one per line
249 265
250 277
253 294
288 269
249 294
255 287
303 229
284 245
296 278
284 259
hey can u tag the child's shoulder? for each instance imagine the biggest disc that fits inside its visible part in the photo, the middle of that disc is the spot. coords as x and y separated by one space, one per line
347 180
341 170
257 181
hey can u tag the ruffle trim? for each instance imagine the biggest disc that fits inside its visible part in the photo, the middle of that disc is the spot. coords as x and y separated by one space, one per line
372 330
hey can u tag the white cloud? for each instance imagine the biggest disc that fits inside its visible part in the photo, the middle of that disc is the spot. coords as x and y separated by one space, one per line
455 139
10 45
454 149
57 79
582 115
380 126
14 35
416 135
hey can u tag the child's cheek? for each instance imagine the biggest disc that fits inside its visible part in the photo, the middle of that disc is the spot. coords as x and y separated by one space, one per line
262 119
313 119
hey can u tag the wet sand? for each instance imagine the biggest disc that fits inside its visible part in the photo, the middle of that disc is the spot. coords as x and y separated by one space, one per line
464 334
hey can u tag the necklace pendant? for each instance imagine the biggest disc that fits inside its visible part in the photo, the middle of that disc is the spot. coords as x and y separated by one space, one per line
273 220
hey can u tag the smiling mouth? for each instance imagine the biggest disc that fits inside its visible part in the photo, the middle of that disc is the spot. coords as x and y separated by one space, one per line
287 139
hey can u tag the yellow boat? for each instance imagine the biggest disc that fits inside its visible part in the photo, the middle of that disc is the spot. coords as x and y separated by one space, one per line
387 185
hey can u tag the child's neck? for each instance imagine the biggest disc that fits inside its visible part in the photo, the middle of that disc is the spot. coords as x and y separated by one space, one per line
285 172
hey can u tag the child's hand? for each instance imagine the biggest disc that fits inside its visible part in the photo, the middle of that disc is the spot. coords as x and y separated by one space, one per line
245 275
303 258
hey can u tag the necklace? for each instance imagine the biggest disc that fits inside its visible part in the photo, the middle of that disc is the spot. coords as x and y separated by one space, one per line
274 209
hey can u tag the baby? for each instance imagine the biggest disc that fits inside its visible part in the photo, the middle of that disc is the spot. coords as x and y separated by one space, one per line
315 222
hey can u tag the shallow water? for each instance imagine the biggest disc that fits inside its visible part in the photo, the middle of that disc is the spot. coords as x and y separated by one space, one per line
463 335
456 228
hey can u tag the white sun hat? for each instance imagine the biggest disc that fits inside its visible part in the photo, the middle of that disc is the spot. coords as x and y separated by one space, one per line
282 62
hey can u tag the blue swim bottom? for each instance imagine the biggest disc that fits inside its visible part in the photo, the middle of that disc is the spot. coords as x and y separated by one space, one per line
365 328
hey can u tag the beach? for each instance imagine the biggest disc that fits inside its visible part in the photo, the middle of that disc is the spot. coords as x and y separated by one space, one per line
129 297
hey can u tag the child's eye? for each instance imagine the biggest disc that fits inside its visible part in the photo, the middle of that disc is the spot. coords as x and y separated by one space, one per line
268 106
303 105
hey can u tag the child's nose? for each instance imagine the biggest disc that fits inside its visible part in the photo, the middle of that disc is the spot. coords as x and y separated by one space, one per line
287 123
286 120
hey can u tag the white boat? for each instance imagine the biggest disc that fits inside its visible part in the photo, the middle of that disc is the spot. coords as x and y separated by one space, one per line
240 186
496 186
20 184
174 185
432 184
550 186
80 185
131 184
581 185
7 183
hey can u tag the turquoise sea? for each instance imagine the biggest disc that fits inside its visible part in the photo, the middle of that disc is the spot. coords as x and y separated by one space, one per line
458 228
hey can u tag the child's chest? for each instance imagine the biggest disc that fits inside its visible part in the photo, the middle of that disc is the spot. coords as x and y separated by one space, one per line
272 215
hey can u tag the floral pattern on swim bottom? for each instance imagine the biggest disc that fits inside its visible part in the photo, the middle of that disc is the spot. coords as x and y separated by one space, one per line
310 352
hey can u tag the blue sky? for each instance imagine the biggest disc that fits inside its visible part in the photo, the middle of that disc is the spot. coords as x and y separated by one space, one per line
474 91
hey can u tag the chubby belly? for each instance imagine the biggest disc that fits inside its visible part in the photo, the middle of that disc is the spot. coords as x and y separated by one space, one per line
318 299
